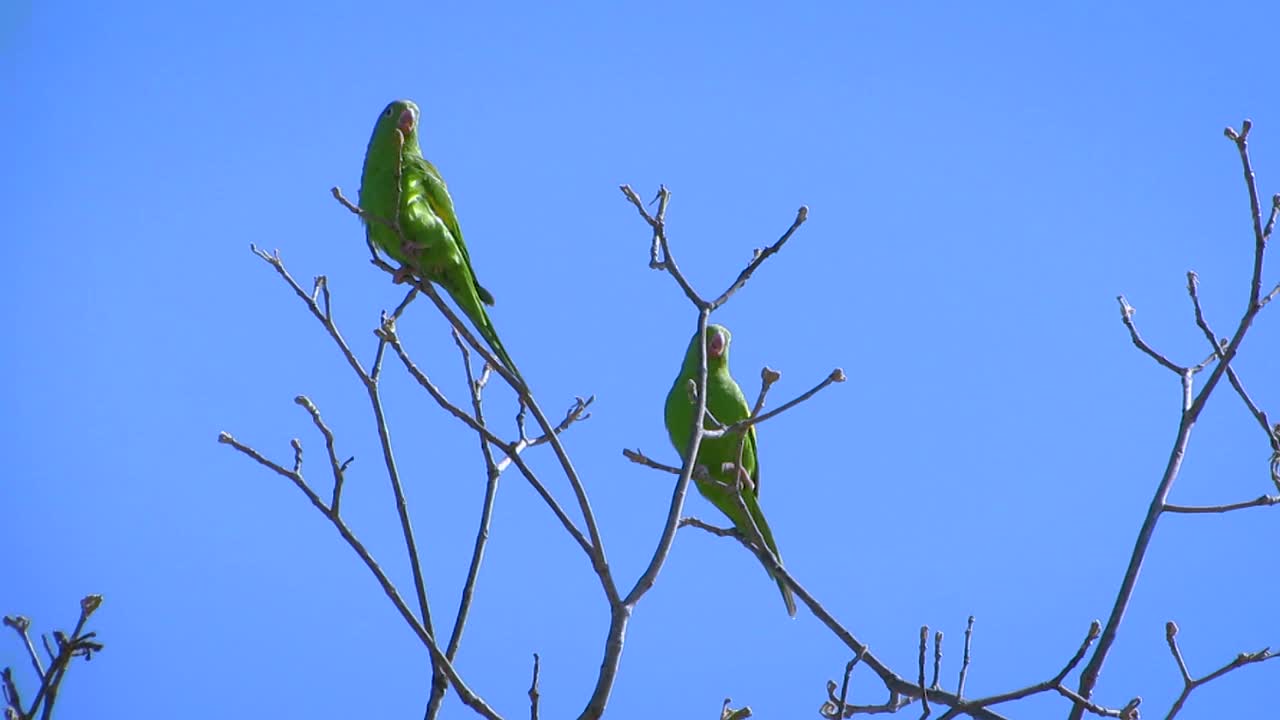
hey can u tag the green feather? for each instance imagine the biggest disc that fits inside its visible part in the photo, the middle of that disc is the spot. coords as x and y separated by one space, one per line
400 186
727 405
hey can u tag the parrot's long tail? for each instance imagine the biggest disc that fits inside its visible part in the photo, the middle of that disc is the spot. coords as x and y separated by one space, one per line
772 546
495 344
788 598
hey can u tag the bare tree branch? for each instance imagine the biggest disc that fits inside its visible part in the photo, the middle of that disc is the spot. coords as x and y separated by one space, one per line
473 701
658 223
533 689
1188 683
1126 314
434 703
964 663
1260 501
78 644
760 256
1191 412
388 331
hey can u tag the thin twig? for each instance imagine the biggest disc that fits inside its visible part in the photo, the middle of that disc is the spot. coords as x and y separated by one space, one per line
468 697
622 608
337 467
896 684
1258 414
1126 315
924 692
937 659
844 687
482 533
388 332
1191 412
595 548
1054 684
21 625
533 689
370 381
760 256
77 644
658 223
640 458
837 376
1188 683
1218 345
964 664
1260 501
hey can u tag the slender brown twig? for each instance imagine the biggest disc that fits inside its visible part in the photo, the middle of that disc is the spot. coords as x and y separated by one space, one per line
760 256
77 644
1260 501
964 662
924 692
1189 684
1192 407
533 689
295 476
434 703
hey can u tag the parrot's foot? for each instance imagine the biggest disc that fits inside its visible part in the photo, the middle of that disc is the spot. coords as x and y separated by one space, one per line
403 275
730 468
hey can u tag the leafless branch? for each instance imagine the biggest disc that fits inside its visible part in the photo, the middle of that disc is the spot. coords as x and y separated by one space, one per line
468 697
937 659
640 458
1188 683
1191 412
1260 501
1126 314
844 689
388 332
924 692
1218 346
77 644
658 223
902 691
964 663
533 689
837 376
760 256
482 533
338 468
21 625
1052 684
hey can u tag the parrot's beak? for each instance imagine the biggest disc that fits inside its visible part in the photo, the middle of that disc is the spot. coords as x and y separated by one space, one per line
715 346
406 122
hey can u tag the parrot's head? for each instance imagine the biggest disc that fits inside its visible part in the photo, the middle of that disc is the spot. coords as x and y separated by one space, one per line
717 349
399 115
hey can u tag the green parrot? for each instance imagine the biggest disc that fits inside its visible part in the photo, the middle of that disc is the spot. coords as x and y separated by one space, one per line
432 248
727 404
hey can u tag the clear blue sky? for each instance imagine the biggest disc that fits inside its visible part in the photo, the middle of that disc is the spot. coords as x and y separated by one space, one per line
983 181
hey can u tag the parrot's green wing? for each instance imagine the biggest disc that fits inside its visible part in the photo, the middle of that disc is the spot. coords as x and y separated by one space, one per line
442 257
437 197
728 405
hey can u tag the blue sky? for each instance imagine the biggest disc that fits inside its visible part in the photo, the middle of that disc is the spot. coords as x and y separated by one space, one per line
982 182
